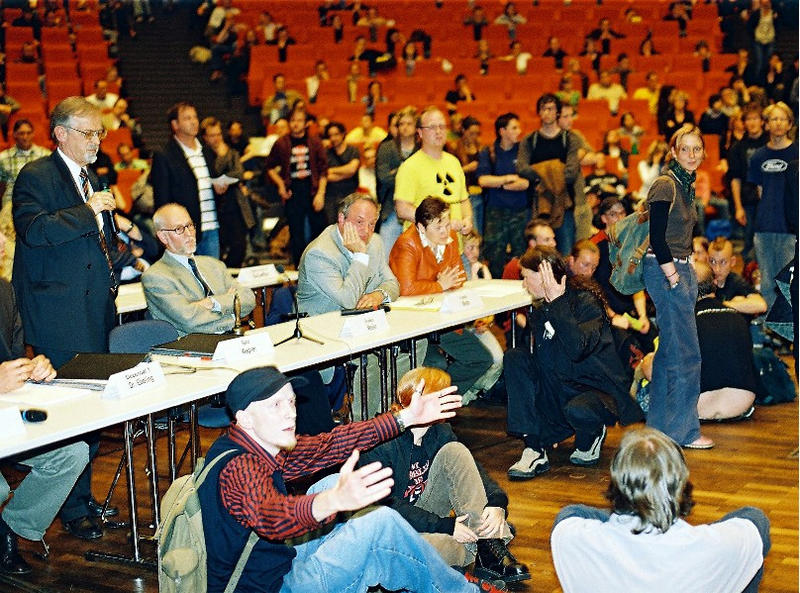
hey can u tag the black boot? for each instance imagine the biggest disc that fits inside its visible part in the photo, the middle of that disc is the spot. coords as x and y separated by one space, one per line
494 561
10 560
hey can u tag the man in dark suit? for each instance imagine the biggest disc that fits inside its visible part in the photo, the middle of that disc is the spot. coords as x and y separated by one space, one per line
63 270
38 497
183 172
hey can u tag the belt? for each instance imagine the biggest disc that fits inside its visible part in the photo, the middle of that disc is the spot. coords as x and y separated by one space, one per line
677 260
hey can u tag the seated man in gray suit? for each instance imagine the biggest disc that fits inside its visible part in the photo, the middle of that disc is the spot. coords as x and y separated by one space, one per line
193 293
345 268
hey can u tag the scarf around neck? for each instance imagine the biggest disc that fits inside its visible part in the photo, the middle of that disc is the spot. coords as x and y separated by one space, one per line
685 178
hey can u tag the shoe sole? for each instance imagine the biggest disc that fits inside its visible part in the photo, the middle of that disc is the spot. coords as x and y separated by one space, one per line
699 447
488 575
520 475
582 463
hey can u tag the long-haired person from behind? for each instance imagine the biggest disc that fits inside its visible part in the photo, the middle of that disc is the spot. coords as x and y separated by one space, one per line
644 543
671 283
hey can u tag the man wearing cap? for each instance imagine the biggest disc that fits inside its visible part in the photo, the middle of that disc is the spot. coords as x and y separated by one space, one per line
247 492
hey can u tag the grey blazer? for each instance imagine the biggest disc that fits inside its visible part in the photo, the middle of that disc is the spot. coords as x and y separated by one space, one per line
329 279
173 294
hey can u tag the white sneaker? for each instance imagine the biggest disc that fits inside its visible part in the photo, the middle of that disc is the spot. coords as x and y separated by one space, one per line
531 464
591 456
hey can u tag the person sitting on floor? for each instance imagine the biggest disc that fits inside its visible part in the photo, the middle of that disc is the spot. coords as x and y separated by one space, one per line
443 493
573 383
247 492
644 544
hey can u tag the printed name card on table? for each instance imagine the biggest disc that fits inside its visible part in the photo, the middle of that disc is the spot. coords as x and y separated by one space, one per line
11 422
373 322
143 377
266 274
251 345
461 300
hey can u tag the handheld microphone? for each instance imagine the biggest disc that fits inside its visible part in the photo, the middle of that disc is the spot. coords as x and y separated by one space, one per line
112 220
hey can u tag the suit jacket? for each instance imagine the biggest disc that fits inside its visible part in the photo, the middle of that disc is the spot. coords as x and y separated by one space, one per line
329 279
173 180
172 294
11 340
60 274
416 267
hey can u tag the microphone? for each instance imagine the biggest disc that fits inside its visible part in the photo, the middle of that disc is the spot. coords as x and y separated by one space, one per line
33 415
112 220
346 312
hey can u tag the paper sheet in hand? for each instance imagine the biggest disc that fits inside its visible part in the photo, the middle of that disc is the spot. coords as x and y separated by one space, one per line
42 396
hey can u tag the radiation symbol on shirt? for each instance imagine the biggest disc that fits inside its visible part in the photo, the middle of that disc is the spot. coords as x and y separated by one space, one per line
445 182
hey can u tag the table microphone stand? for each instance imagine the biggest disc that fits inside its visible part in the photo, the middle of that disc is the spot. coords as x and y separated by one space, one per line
298 333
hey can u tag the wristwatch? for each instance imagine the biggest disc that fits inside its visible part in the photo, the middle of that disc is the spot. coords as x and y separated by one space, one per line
385 294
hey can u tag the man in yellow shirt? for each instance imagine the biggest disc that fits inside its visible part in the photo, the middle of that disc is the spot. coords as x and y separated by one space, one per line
432 172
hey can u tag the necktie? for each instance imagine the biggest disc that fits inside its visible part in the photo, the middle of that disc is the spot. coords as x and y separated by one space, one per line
200 279
87 193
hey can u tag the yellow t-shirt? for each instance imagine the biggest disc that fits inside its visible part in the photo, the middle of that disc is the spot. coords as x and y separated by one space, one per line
421 176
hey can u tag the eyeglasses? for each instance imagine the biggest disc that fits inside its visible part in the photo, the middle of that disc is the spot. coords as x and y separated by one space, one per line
180 229
436 128
89 134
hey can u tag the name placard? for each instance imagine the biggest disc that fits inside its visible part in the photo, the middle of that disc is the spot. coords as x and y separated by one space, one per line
266 274
143 377
461 300
373 322
256 344
11 422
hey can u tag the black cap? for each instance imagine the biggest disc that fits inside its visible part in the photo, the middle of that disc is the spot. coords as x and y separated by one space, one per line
257 384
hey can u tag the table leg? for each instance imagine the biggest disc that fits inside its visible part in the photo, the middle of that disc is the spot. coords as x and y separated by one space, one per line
363 381
153 465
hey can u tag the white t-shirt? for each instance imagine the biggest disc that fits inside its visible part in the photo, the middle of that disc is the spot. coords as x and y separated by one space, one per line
605 557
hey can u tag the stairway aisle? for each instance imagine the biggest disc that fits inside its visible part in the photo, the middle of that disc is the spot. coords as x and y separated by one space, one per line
159 73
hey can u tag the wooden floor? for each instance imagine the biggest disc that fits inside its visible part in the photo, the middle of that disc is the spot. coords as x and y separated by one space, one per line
754 463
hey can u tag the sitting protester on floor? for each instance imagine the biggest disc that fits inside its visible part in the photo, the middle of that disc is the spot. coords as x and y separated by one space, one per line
644 544
443 493
247 492
573 383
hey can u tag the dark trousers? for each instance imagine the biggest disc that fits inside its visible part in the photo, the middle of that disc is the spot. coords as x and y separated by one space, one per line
232 238
469 360
77 503
304 223
536 417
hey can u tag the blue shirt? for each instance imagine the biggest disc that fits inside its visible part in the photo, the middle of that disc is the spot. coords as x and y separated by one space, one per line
768 168
505 164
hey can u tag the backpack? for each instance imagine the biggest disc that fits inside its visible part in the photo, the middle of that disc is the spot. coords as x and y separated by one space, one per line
181 542
774 385
628 240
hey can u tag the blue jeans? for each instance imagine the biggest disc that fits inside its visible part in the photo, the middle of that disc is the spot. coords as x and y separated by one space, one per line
391 229
208 244
565 234
773 252
476 201
753 514
376 546
675 387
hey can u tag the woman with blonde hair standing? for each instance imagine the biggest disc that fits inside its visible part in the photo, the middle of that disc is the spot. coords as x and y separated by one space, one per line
671 282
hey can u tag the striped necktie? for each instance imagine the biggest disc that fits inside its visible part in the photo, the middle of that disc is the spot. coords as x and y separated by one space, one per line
87 193
199 276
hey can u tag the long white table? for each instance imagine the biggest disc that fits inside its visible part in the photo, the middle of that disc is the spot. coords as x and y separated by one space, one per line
130 297
188 385
92 412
